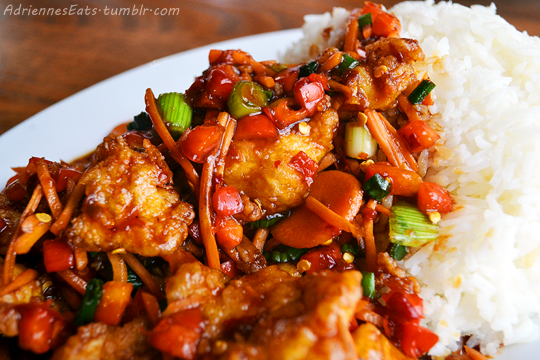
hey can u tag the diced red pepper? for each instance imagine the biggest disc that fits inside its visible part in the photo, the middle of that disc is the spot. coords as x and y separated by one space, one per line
57 255
15 191
230 269
404 182
194 231
258 126
415 340
220 84
386 25
229 233
418 135
196 144
179 334
404 306
227 201
433 197
307 166
281 113
308 91
113 303
39 327
322 258
63 175
287 78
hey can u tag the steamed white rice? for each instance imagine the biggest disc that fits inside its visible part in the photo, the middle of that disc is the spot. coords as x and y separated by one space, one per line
482 277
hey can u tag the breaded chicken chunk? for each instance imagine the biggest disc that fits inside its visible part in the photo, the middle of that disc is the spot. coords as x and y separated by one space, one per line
130 202
261 168
266 315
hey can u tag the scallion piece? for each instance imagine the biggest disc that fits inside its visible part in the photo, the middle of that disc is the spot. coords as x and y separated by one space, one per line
350 248
89 303
246 98
176 113
133 278
140 122
295 254
277 67
347 63
308 69
368 284
419 94
270 221
359 143
398 252
410 227
269 94
377 187
364 20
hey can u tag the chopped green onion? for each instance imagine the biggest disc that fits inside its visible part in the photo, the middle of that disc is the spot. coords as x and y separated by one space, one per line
364 20
279 257
284 253
176 113
368 284
133 278
89 303
140 122
278 67
398 252
410 227
419 94
308 69
347 63
350 248
359 143
269 94
377 187
247 97
295 254
270 221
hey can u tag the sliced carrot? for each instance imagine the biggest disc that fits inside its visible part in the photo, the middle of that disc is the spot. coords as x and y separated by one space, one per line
338 191
33 228
475 354
351 37
113 303
259 239
145 276
63 220
81 258
49 188
24 278
119 267
152 307
369 238
74 280
326 214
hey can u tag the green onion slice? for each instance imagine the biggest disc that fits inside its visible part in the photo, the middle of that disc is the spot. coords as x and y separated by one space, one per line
422 90
368 284
140 122
278 67
350 248
176 113
410 227
398 252
308 69
359 143
284 253
364 20
246 98
377 187
89 303
347 63
270 221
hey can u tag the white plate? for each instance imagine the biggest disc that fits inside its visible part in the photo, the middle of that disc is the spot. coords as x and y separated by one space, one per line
75 126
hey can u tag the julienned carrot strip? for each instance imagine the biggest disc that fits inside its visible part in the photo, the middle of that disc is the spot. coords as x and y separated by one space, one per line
63 220
119 267
352 32
205 212
345 90
389 141
383 209
24 243
24 278
369 238
9 260
74 280
474 354
332 61
161 129
259 239
72 298
190 302
327 214
145 276
49 188
152 307
226 143
81 258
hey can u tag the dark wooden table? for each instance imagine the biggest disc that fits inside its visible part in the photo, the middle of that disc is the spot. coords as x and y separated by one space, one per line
46 58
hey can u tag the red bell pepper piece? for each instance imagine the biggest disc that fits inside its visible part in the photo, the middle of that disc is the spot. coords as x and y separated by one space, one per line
230 269
57 255
404 306
227 201
432 197
258 126
308 91
196 144
116 296
229 233
418 135
63 175
415 340
39 328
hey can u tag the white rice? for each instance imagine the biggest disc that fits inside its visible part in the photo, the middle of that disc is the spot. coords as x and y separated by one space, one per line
482 277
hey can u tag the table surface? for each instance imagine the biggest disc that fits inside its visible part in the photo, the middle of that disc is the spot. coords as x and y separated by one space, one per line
46 58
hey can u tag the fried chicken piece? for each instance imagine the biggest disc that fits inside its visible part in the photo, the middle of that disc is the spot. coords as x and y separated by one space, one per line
371 344
388 71
99 341
260 168
267 315
130 202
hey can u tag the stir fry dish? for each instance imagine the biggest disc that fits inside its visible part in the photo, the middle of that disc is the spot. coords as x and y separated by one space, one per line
261 214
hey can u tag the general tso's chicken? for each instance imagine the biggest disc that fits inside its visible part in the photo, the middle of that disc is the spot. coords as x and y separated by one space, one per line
266 315
371 344
99 341
261 168
377 83
130 202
